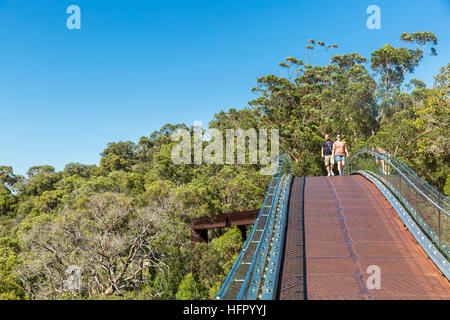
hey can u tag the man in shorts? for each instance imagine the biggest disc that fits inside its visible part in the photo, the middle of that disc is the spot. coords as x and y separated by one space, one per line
339 153
381 164
327 151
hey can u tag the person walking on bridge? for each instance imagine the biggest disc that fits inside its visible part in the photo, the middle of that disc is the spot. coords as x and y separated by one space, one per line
327 151
339 153
381 164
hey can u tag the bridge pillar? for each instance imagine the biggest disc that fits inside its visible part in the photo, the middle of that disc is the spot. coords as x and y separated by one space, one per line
198 235
243 230
200 226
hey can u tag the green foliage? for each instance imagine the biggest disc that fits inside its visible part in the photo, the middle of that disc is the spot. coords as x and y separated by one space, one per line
7 177
418 131
9 284
8 202
80 170
10 290
40 169
190 289
49 200
211 264
118 156
392 64
447 186
41 178
126 222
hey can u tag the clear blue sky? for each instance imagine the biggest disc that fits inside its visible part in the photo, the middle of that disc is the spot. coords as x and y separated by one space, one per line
136 65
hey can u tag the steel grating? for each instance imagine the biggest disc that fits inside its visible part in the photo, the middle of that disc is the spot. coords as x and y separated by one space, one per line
349 226
292 275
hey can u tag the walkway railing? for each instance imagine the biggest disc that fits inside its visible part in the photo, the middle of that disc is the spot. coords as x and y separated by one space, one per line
429 208
242 279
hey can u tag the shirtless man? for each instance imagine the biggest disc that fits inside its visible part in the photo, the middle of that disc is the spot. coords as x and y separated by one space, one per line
339 153
381 164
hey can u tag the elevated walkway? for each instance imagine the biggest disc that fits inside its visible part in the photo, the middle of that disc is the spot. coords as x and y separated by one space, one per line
350 226
379 232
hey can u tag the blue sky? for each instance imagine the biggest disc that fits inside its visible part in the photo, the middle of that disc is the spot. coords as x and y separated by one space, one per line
136 65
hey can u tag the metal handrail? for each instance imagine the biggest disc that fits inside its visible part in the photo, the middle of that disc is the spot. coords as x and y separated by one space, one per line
388 159
254 275
271 281
404 209
276 175
252 265
435 231
228 279
419 178
404 166
283 163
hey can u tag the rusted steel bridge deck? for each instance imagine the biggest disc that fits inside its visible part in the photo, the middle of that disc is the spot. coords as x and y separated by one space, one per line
338 227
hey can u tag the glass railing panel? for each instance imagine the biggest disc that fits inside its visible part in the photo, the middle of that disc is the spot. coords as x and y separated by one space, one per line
236 282
431 209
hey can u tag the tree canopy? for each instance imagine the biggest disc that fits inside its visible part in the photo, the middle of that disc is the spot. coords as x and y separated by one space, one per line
125 222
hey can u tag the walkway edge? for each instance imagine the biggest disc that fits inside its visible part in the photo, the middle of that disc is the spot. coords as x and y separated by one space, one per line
432 252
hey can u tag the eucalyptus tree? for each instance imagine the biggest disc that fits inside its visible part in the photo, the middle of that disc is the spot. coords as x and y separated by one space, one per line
392 64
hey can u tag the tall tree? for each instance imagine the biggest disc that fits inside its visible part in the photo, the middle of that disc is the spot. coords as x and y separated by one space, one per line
392 64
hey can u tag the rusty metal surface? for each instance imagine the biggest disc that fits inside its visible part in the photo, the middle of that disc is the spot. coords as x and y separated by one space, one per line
292 279
226 220
349 226
200 226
